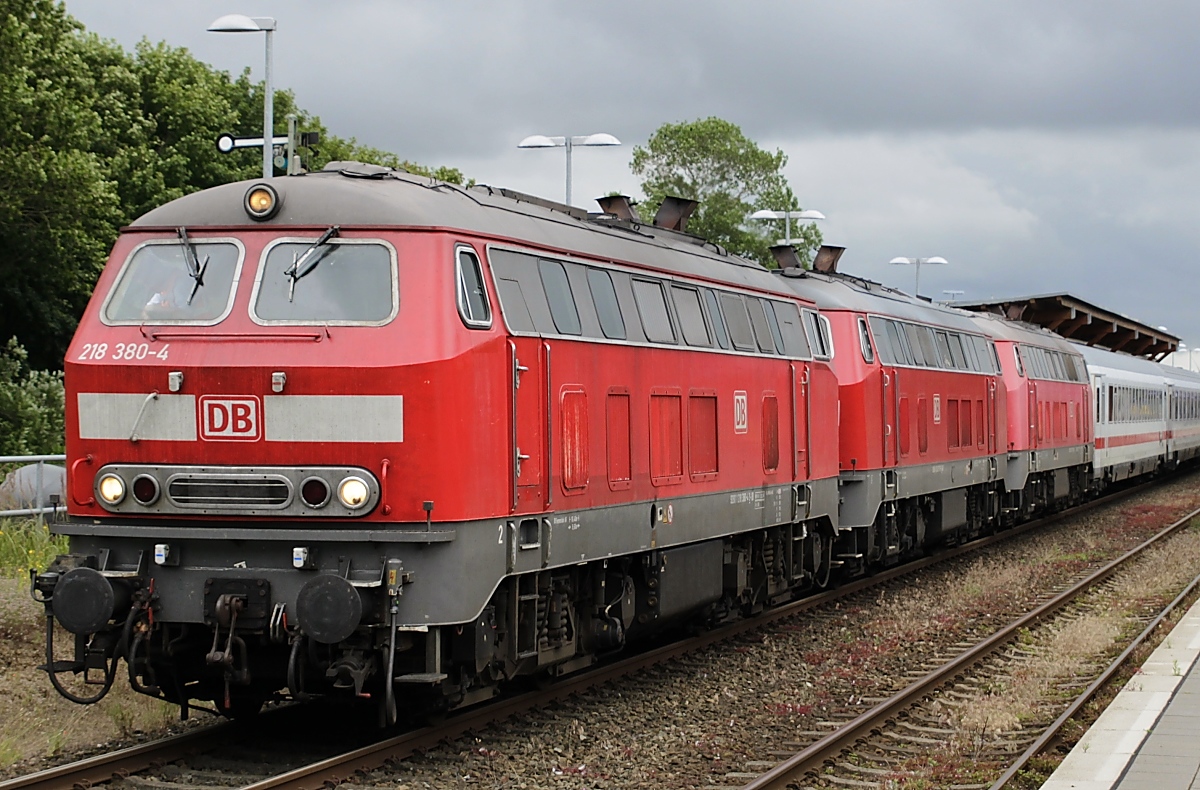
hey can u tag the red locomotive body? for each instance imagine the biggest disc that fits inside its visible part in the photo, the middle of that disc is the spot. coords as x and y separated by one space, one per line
361 430
921 422
1050 428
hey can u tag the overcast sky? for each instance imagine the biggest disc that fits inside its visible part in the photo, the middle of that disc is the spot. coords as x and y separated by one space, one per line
1038 147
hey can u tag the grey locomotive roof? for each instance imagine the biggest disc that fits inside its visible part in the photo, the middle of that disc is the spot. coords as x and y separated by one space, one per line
843 292
352 194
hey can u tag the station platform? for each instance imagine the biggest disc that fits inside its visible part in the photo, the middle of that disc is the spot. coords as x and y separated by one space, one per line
1149 736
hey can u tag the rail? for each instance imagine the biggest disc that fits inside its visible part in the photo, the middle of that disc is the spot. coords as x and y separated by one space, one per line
789 771
39 484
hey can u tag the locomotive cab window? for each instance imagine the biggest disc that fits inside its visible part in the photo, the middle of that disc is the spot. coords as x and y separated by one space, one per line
326 281
472 297
175 282
864 342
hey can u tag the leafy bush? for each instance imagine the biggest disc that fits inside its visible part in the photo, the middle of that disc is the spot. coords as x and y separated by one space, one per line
31 405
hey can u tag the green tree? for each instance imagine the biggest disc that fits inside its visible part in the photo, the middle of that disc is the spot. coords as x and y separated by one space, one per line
31 405
711 160
58 211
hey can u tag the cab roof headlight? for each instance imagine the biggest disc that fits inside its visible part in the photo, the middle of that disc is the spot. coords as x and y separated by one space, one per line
111 489
262 201
353 492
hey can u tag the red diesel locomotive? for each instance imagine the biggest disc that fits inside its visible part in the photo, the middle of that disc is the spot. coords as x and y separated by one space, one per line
365 431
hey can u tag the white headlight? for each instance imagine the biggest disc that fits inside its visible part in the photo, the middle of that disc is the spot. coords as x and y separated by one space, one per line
353 492
112 489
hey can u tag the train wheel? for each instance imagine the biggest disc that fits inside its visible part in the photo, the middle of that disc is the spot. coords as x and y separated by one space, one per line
820 557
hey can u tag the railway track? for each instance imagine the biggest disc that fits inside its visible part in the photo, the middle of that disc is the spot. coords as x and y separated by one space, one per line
187 761
866 751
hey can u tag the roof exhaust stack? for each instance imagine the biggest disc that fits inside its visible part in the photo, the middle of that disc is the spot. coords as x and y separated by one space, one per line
674 212
827 259
620 206
785 255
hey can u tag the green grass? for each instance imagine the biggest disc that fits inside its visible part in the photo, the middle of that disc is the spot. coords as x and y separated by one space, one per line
24 545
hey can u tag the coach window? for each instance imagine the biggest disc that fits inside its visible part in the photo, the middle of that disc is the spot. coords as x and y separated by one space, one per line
691 316
652 306
864 342
739 322
558 295
714 314
608 310
472 296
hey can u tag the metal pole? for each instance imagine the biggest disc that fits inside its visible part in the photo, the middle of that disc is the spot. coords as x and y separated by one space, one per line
568 146
37 502
917 284
268 117
787 226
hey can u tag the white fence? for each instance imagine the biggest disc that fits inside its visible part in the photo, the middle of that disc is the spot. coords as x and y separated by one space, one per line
39 484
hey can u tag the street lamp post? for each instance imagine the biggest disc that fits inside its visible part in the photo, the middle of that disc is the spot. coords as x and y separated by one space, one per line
918 262
239 23
787 217
542 141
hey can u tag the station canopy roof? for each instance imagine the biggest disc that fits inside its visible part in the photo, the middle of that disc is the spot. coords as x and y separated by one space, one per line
1082 322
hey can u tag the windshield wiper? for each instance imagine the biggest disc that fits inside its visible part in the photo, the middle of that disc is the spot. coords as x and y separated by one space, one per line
306 261
195 267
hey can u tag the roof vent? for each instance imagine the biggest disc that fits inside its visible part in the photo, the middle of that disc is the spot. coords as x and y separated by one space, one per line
827 259
674 212
620 206
785 255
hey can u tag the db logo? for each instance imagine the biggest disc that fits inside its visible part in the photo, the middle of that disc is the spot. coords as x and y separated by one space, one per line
229 419
741 416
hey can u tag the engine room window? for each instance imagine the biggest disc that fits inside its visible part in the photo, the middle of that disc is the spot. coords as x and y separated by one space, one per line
173 282
558 294
739 322
608 309
691 316
652 305
762 331
471 294
795 344
337 282
718 322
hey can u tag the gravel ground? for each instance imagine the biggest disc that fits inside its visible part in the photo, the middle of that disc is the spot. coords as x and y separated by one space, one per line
725 709
721 711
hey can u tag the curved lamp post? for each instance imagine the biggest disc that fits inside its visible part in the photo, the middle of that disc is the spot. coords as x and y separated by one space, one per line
542 141
918 262
787 217
239 23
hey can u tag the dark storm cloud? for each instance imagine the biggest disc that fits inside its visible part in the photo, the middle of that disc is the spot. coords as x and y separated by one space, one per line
450 78
1040 147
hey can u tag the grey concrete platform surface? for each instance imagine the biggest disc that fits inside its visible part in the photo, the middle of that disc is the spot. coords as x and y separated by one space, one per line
1149 737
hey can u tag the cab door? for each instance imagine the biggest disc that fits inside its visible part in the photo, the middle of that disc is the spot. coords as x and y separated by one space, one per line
528 377
801 417
890 381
